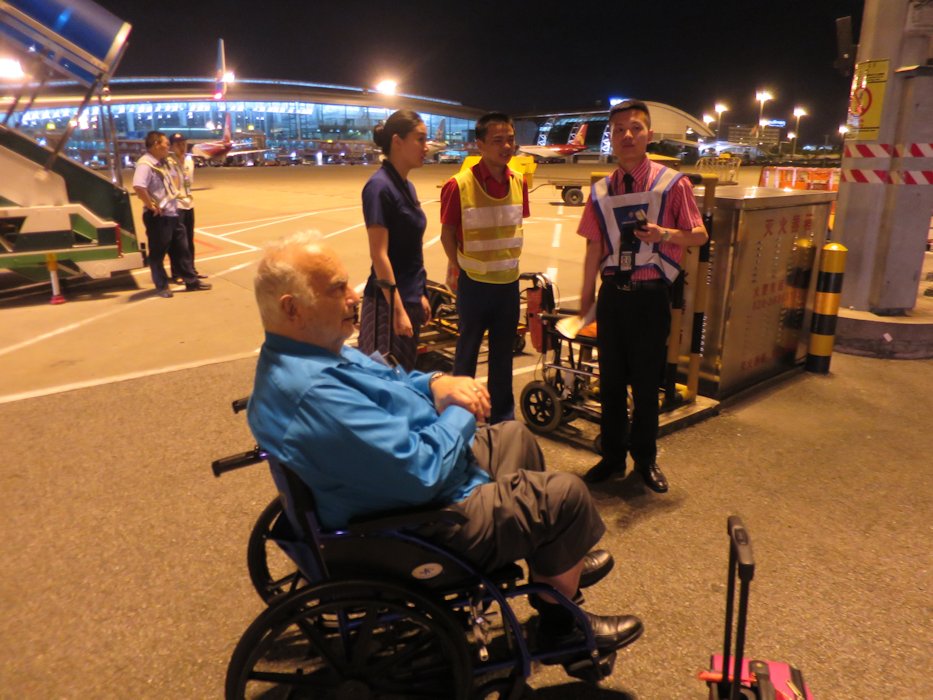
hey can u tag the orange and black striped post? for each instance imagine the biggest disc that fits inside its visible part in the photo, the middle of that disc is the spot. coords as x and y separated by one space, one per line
826 307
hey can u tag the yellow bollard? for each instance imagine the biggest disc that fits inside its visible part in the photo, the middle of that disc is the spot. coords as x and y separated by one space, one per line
826 307
51 264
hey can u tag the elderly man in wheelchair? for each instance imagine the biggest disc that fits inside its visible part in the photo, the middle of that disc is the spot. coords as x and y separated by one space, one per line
400 606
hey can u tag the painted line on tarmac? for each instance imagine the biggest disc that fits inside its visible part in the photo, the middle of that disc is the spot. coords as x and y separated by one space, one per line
111 312
281 220
10 398
555 238
73 326
247 221
343 230
248 247
279 217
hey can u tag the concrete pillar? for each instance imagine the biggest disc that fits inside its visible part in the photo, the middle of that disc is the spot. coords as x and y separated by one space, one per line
881 218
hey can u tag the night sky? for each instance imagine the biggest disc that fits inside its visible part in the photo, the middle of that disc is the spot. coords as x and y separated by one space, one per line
520 57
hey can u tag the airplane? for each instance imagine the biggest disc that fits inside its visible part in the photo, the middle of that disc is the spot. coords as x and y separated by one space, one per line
437 144
559 149
218 151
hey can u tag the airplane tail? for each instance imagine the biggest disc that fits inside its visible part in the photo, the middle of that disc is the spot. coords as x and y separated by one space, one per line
228 132
220 86
580 138
441 126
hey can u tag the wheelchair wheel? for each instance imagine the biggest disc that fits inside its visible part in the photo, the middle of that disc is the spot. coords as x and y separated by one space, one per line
390 643
541 407
270 570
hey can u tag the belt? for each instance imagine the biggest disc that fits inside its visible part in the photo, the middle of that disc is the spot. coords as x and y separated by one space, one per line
635 285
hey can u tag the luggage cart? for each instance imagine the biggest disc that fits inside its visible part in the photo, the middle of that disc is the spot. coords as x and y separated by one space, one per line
439 335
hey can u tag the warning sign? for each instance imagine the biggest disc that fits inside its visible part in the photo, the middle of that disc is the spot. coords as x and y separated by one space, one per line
866 100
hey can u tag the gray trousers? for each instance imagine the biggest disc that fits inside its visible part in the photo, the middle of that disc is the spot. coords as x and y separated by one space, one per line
545 518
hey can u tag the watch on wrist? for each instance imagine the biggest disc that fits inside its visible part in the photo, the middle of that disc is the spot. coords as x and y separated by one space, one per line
434 378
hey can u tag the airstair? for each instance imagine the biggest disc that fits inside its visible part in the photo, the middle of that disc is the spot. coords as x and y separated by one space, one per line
54 211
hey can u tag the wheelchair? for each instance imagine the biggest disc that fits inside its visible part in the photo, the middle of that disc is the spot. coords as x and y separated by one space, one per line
375 610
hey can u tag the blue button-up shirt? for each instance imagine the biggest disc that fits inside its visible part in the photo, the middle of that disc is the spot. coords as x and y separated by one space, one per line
364 436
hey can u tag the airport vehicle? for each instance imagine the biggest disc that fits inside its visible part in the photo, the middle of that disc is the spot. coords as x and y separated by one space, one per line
575 145
56 214
375 609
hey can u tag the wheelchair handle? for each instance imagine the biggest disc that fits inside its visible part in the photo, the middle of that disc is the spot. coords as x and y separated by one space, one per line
238 461
240 404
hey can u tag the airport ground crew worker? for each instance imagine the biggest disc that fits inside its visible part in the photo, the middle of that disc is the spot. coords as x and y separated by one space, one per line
183 172
155 188
395 224
637 223
481 230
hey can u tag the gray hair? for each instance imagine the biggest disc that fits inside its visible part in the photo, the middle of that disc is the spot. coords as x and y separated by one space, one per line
277 275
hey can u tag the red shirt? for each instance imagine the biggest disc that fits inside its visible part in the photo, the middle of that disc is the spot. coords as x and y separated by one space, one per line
450 196
681 212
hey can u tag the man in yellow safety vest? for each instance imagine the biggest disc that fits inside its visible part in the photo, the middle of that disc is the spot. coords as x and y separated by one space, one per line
481 230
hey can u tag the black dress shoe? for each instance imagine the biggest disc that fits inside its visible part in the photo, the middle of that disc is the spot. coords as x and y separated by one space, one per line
165 293
596 564
604 469
653 476
611 632
197 286
201 277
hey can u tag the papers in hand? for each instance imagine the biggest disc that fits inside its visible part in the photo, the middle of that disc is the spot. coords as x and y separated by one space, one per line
571 325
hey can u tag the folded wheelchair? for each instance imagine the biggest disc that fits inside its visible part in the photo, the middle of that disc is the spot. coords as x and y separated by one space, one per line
374 610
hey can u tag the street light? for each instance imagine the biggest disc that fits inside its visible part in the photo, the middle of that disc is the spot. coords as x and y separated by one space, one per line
798 112
387 87
762 96
11 69
719 109
708 119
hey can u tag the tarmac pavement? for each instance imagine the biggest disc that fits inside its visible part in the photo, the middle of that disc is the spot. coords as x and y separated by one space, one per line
124 558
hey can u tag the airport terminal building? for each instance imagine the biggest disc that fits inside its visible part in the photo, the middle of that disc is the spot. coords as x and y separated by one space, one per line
297 120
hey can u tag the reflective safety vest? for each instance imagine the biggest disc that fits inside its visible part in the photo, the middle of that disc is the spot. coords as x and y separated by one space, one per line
492 230
613 210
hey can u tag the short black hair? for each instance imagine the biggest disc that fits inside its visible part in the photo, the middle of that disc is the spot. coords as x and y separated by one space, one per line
626 105
152 138
482 124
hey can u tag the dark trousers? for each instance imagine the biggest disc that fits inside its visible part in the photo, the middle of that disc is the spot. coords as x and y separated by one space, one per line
166 235
547 518
632 329
186 219
483 307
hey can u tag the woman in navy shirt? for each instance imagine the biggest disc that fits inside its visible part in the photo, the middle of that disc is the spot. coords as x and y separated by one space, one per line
395 225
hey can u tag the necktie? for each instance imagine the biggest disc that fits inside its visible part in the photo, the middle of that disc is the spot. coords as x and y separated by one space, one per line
628 183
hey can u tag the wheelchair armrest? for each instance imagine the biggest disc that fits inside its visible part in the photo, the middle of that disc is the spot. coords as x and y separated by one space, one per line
240 404
243 459
406 519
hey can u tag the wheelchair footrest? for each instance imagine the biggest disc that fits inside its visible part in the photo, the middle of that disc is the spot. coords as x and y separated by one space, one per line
591 671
